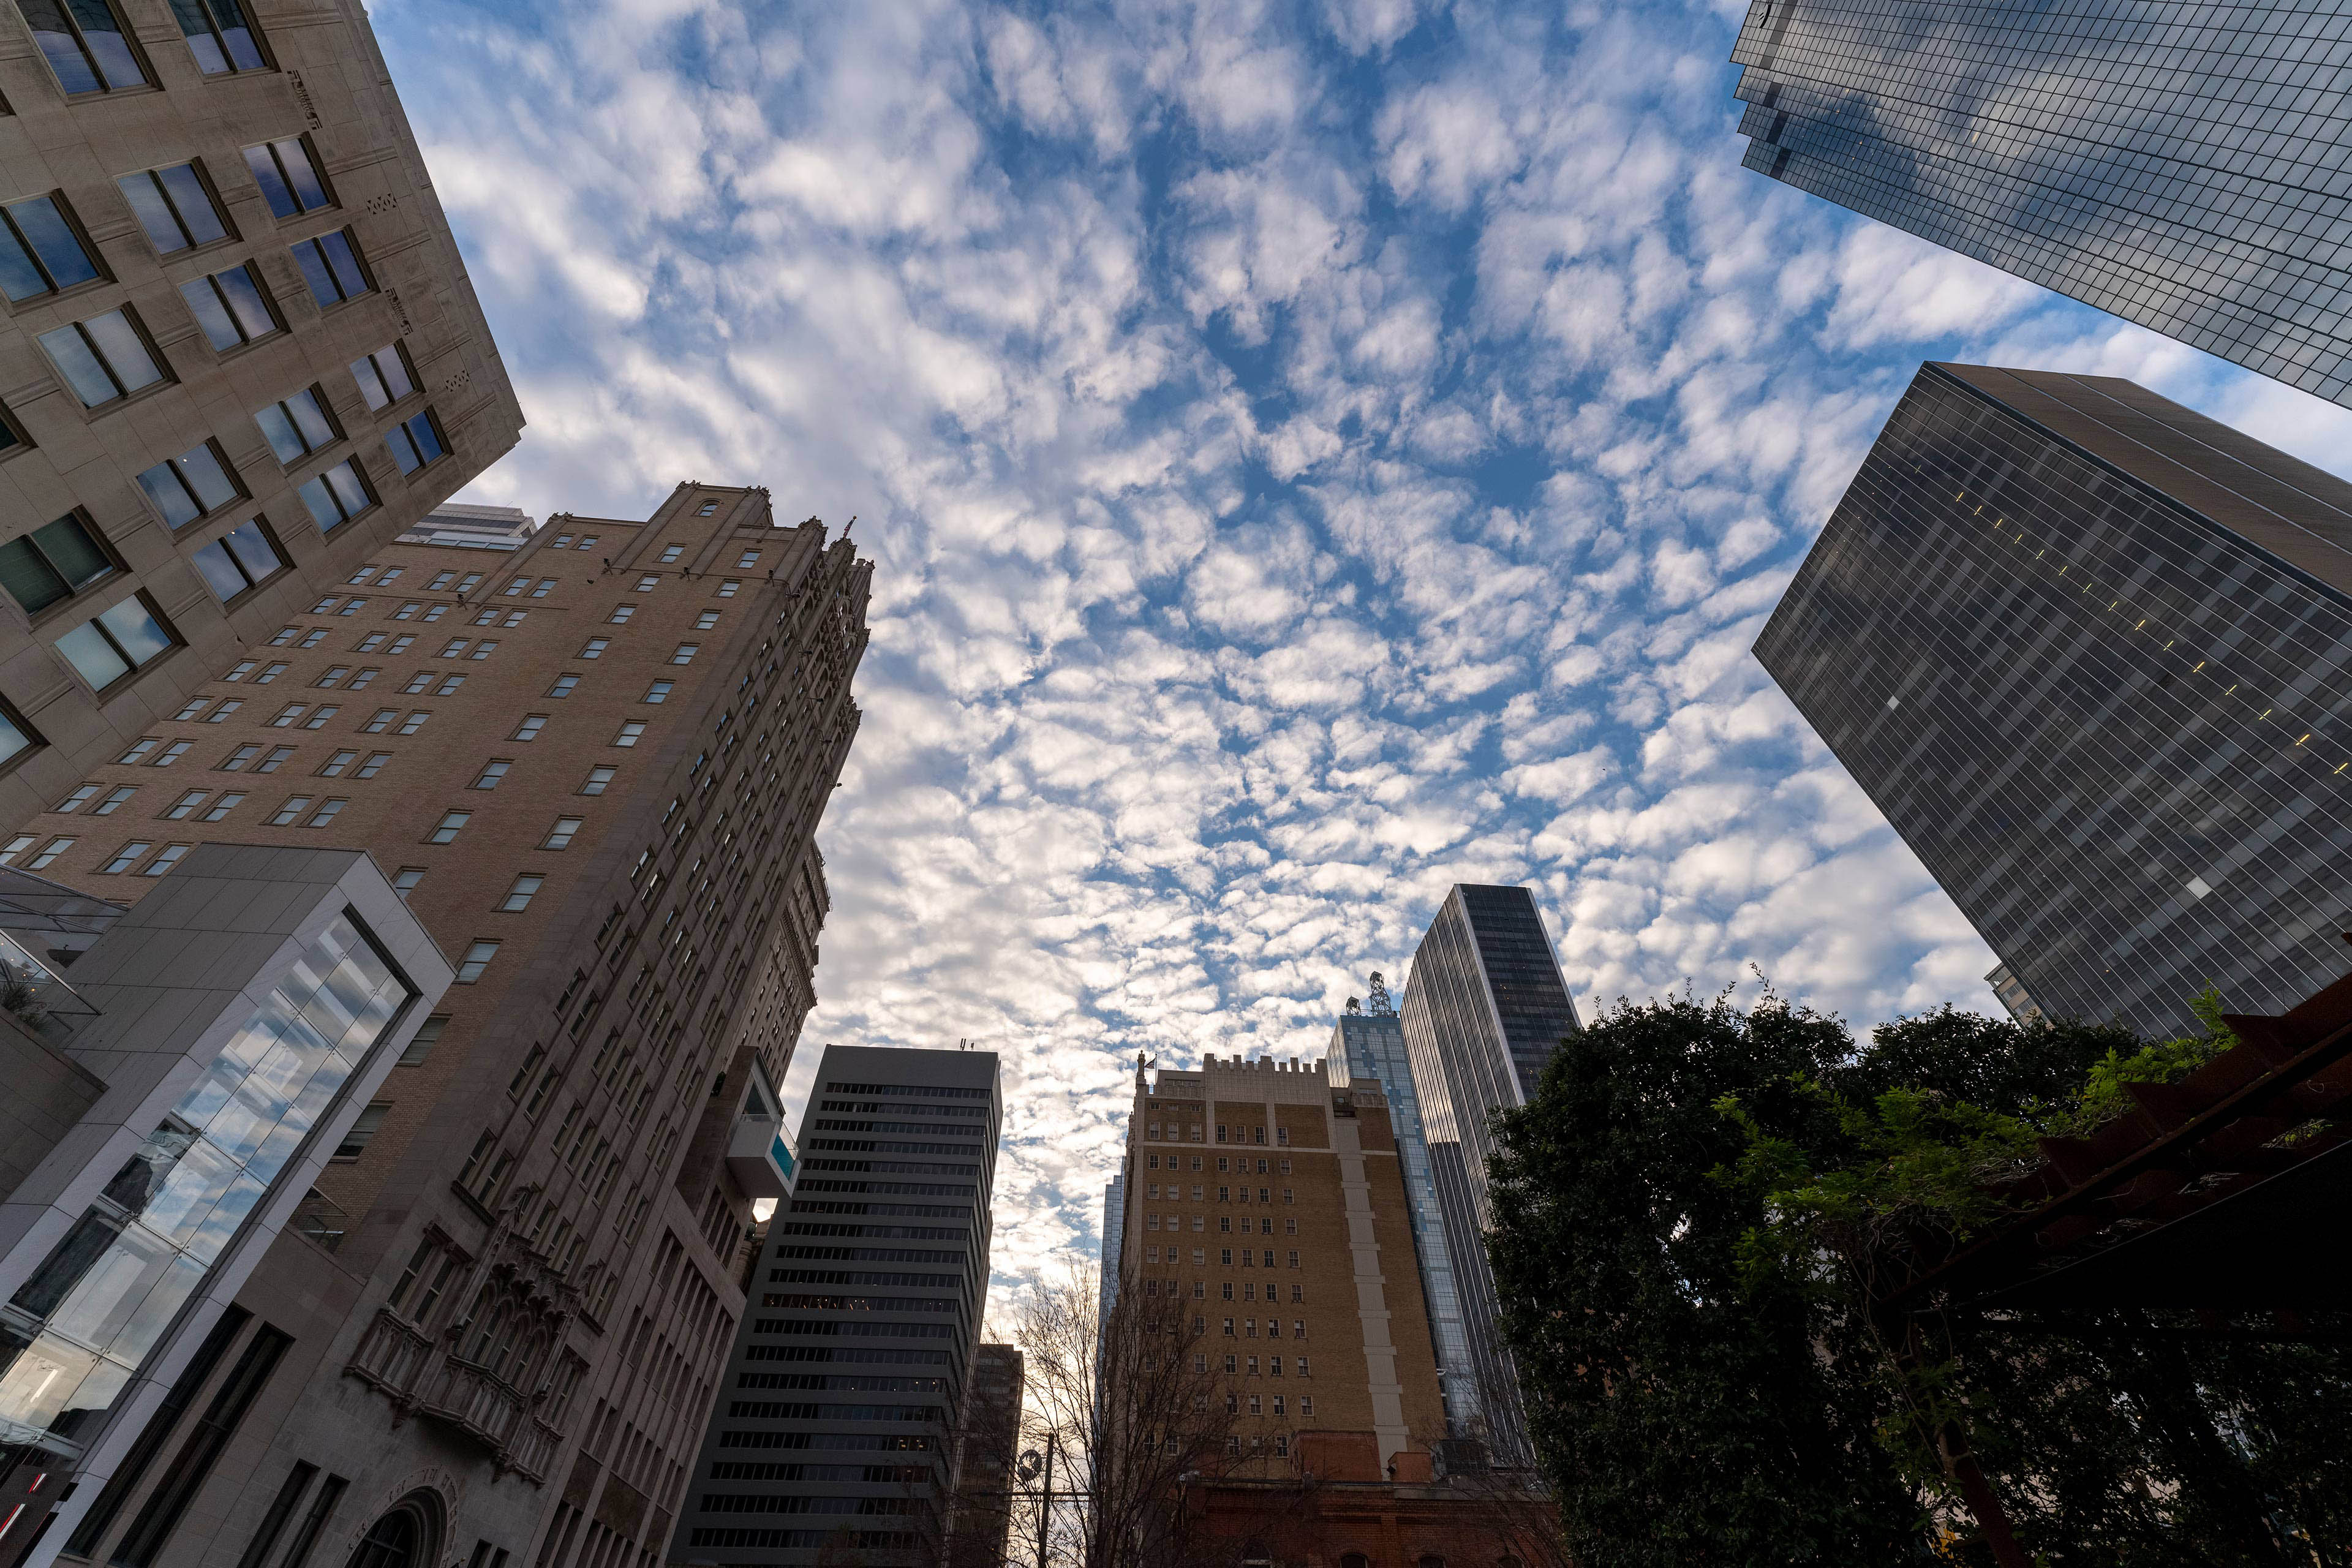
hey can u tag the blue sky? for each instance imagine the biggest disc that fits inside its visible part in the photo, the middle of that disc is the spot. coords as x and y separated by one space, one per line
1312 455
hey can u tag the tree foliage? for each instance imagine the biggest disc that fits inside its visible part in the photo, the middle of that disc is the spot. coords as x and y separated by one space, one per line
1695 1218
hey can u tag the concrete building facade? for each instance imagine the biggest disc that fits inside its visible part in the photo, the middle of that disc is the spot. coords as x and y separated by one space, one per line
239 353
593 768
1270 1206
2091 654
836 1432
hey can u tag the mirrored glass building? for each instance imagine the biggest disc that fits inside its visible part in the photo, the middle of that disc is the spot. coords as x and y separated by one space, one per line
2091 654
1485 1007
2180 165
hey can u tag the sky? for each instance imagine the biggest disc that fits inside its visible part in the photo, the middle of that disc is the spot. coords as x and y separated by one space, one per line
1311 455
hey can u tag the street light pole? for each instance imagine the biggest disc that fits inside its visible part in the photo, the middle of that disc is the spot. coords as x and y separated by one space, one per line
1046 1500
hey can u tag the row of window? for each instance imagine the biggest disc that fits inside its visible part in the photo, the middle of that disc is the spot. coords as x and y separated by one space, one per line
1224 1256
89 50
249 757
1240 1165
1224 1224
1201 1289
1265 1195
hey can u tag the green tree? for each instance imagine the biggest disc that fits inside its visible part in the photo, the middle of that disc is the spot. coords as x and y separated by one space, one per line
1680 1417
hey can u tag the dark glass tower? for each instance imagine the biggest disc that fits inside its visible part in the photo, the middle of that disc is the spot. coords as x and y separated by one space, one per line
833 1435
2181 164
1485 1007
2091 653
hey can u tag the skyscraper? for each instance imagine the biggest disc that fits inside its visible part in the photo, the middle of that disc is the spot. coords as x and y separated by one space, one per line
1485 1007
2091 654
1114 1237
2180 165
240 353
846 1386
1368 1047
593 768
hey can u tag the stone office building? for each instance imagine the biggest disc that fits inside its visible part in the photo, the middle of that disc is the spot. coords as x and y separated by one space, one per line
1270 1207
239 351
593 767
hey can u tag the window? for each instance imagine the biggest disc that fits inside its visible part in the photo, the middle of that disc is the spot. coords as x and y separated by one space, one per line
449 683
185 806
560 835
647 585
104 358
546 587
171 754
333 767
420 1046
235 761
243 668
49 852
519 896
706 508
53 564
465 584
275 760
116 642
222 806
381 722
401 643
671 552
448 828
598 779
286 715
186 486
85 44
492 771
477 958
415 721
313 637
630 734
167 858
405 883
297 425
750 558
727 587
231 308
331 266
529 728
415 442
327 810
40 252
338 496
289 176
621 614
125 857
384 376
684 653
705 621
74 801
373 765
455 647
319 717
175 207
363 1130
238 559
595 646
564 685
115 800
659 691
296 804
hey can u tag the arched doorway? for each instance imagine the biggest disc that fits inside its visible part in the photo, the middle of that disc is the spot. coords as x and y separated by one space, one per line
407 1535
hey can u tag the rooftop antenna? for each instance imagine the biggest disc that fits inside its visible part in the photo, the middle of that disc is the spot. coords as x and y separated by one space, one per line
1380 1003
1354 1006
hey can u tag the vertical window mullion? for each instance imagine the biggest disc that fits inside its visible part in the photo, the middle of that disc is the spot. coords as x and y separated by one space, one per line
98 355
187 235
32 253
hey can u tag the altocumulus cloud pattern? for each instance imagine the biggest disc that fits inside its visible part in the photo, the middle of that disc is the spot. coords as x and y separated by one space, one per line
1314 454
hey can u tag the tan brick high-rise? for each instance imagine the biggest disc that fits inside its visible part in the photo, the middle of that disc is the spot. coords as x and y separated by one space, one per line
238 352
596 764
1270 1206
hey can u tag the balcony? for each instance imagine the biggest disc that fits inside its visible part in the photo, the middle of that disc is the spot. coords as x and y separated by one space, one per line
396 1358
759 1157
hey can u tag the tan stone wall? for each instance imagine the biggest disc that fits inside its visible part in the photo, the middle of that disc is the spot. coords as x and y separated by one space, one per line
328 85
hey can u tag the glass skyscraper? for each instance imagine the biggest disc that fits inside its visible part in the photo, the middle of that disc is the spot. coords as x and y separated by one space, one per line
2091 654
2181 164
1370 1046
1485 1007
